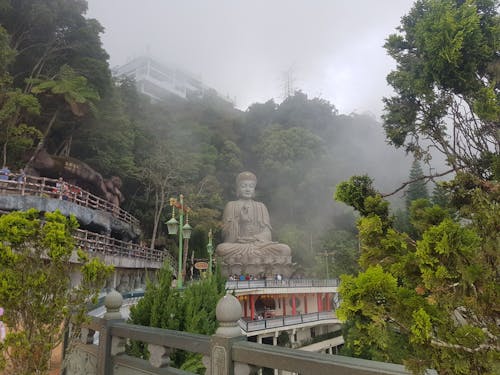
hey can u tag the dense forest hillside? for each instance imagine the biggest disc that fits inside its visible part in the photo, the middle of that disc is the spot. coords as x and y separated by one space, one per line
57 92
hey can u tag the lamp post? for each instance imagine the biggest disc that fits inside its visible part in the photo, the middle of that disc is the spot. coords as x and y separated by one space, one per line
326 254
184 230
210 251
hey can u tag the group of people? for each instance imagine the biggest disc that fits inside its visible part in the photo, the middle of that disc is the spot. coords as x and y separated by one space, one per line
6 175
66 191
248 277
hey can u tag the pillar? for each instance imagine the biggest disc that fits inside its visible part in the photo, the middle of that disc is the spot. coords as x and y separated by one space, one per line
294 308
219 360
320 302
284 306
109 345
305 303
252 307
328 308
245 308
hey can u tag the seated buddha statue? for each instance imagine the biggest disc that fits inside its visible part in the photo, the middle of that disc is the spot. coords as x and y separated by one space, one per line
247 230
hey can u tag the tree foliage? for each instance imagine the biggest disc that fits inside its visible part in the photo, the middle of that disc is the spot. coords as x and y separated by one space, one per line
447 83
191 310
436 289
35 287
417 189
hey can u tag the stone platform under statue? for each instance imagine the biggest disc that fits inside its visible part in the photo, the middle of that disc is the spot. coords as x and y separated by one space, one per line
248 247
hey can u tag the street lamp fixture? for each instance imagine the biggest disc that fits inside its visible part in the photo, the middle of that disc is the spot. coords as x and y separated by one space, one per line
184 230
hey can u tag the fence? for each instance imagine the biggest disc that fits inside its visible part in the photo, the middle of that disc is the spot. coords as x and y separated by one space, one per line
282 321
49 188
225 353
286 283
93 242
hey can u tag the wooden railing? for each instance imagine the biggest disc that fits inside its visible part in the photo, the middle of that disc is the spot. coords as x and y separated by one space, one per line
93 242
49 188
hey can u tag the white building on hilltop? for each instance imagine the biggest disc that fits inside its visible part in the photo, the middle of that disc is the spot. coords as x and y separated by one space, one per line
159 81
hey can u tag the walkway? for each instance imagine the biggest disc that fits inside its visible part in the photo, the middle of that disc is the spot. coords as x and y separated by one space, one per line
93 242
286 283
285 321
46 187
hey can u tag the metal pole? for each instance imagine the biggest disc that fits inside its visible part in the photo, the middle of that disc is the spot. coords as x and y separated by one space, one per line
210 250
181 224
327 273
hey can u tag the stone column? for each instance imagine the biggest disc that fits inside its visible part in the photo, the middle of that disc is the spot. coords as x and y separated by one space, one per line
228 312
108 345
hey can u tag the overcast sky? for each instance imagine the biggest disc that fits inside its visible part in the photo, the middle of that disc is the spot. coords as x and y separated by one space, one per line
243 48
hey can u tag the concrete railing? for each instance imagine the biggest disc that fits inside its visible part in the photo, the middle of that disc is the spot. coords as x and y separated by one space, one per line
282 321
225 353
286 283
47 187
93 242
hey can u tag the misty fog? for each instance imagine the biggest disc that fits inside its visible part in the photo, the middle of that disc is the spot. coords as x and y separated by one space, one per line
245 49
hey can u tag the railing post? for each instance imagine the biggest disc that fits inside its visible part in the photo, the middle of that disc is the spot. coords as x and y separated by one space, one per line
228 312
108 345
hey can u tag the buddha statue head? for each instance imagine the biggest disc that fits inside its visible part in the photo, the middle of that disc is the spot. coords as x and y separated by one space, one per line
245 185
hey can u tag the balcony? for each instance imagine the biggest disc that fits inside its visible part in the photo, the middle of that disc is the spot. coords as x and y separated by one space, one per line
286 321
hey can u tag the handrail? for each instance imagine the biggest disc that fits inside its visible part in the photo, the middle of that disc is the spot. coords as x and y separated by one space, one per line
285 283
283 321
222 353
47 187
94 242
193 342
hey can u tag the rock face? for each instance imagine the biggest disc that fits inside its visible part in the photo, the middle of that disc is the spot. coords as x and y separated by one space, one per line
248 246
77 173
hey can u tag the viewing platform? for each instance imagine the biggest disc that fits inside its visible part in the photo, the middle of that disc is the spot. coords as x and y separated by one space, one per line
90 210
251 327
120 253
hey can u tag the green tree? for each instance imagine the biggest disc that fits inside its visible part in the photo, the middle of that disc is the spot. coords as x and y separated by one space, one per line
16 136
447 83
416 189
51 33
343 250
191 310
440 195
438 293
36 290
72 90
426 292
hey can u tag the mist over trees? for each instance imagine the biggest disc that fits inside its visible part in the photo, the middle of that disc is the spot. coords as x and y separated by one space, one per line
428 296
299 149
424 291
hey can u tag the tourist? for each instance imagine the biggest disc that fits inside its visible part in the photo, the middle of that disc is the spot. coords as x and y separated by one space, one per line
62 189
4 173
21 177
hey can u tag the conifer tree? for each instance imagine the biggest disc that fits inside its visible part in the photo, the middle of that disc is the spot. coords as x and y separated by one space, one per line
417 189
